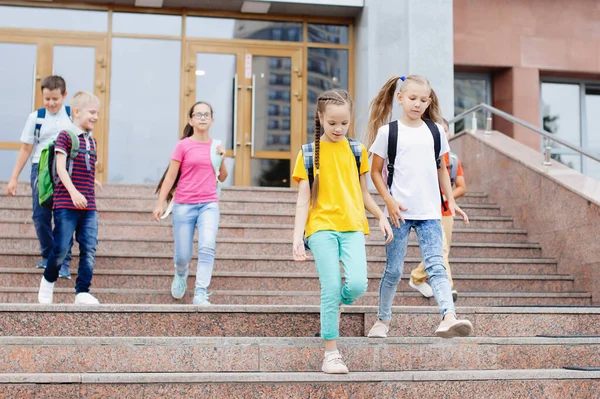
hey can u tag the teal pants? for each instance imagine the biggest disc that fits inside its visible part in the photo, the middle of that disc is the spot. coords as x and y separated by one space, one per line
329 248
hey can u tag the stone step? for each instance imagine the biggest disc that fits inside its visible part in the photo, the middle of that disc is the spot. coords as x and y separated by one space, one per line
259 354
270 281
115 229
489 384
280 321
403 298
239 204
264 217
227 193
282 246
279 263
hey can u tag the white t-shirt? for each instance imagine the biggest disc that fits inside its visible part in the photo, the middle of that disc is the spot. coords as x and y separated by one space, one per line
415 184
53 124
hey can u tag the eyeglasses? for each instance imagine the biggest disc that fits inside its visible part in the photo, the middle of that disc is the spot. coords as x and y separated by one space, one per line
199 115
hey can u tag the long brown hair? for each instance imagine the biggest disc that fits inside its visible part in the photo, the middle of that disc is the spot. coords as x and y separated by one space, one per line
381 106
335 97
188 131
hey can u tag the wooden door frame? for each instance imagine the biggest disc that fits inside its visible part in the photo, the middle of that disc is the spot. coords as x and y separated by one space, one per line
45 41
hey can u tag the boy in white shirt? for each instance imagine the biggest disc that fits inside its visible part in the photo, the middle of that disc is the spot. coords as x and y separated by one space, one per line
41 128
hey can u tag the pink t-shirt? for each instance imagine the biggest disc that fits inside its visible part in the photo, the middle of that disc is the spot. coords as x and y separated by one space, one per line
198 182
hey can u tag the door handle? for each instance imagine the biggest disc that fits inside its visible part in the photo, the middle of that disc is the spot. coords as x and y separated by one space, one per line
236 88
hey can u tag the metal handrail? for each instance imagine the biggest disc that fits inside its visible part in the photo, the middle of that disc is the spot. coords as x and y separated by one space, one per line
547 135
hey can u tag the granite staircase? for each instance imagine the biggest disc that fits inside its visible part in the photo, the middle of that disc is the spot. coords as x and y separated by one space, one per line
258 339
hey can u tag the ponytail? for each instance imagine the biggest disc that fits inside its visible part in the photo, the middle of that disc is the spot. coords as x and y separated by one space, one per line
381 109
433 112
315 187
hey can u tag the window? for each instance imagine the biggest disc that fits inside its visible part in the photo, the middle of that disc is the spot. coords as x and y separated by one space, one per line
469 91
273 110
569 111
226 28
333 34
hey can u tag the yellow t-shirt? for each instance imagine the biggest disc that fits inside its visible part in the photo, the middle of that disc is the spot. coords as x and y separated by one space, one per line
340 205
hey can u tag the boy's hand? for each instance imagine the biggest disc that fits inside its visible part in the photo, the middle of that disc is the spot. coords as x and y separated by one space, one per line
12 187
299 251
98 185
394 209
220 150
456 210
386 229
158 212
78 200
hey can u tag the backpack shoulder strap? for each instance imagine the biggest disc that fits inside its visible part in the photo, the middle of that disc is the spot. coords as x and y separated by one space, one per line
74 145
453 167
308 155
39 121
356 148
391 151
68 109
437 140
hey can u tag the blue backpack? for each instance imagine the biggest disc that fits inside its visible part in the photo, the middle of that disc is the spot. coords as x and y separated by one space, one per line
308 156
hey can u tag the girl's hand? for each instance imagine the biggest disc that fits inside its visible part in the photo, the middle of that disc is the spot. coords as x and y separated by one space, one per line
386 229
220 150
394 209
456 210
299 251
12 187
158 212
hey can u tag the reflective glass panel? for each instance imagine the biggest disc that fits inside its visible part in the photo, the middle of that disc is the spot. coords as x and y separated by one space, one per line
53 18
78 75
225 28
320 33
270 172
468 93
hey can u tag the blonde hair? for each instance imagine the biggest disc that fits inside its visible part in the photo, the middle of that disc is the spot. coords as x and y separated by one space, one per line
82 98
381 106
335 97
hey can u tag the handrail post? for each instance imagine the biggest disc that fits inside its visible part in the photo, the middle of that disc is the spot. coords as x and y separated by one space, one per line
488 124
474 123
547 153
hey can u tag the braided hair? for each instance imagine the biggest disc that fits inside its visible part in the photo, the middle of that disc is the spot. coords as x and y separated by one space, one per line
335 97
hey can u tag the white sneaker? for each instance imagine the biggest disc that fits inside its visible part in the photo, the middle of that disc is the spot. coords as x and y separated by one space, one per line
379 330
333 364
46 292
85 298
452 328
423 288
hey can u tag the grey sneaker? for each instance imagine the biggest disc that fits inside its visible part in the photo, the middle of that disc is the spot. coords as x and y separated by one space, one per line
201 298
64 272
42 264
333 364
179 285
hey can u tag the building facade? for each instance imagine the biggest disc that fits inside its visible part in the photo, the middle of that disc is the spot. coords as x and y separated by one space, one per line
261 65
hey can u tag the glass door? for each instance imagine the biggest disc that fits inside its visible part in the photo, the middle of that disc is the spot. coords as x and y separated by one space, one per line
80 61
257 107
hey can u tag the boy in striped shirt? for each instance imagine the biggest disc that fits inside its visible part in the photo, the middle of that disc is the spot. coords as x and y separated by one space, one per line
75 202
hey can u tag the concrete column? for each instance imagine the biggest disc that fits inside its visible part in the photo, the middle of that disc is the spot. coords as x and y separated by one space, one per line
517 91
403 37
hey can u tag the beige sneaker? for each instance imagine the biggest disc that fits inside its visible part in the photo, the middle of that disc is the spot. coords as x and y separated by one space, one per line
333 364
379 330
450 327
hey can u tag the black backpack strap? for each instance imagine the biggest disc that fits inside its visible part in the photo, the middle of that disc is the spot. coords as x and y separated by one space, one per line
437 140
392 148
308 155
356 148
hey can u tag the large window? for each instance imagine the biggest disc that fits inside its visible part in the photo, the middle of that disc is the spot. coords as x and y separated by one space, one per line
469 91
569 113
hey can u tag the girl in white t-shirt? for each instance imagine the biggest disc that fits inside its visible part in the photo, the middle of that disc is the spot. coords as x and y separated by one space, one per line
414 200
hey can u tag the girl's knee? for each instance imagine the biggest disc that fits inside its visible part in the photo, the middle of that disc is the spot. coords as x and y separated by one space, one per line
437 270
356 287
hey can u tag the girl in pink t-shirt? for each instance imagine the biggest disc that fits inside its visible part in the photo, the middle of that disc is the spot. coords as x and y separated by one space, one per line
196 203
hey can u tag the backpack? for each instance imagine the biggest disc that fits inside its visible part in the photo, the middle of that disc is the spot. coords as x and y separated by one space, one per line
308 156
453 166
47 176
393 147
216 160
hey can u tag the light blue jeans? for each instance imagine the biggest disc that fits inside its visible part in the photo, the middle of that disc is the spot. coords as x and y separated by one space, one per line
328 248
429 235
186 217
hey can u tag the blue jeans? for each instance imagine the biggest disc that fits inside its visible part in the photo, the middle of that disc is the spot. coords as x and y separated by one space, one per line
84 224
329 248
42 220
186 217
429 235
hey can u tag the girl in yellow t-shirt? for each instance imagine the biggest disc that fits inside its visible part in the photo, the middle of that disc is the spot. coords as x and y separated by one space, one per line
332 213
